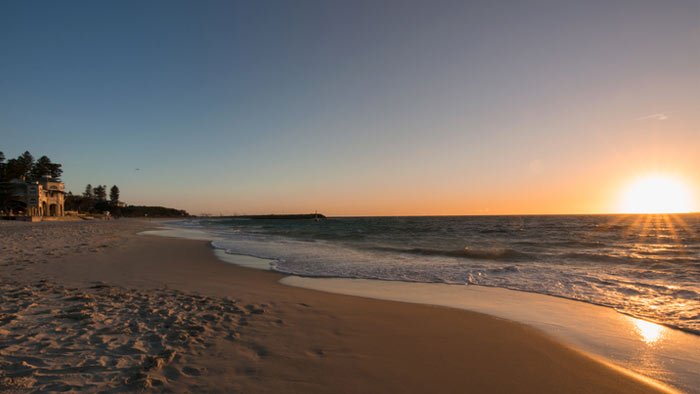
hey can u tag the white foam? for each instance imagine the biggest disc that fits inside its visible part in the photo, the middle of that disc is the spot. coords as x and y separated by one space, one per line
224 255
243 260
198 235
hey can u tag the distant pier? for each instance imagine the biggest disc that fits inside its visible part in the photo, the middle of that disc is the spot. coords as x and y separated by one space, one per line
301 216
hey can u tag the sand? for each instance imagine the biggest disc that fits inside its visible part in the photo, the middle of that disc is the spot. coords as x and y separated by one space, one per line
99 308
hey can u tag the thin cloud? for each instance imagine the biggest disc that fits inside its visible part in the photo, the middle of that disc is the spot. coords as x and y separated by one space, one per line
659 116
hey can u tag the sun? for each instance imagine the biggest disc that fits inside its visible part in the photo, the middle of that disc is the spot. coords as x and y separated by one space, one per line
656 193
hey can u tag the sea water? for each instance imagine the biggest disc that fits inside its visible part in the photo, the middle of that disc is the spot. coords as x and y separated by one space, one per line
646 266
640 265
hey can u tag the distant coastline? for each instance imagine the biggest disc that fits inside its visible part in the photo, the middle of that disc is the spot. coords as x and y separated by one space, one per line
295 216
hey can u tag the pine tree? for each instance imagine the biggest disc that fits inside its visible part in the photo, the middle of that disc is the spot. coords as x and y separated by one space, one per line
114 194
100 192
44 166
88 191
2 167
21 167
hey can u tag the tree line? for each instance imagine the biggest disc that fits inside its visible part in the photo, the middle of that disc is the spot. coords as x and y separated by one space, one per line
25 167
94 200
100 193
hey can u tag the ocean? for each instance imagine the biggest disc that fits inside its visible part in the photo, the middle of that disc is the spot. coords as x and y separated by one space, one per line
646 266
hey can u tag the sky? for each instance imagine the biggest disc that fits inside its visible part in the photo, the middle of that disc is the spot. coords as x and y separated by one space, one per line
356 107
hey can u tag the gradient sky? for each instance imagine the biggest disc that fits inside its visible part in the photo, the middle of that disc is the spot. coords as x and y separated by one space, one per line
356 107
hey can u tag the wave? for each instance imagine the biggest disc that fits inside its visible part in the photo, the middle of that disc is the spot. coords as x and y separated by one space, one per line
650 278
498 254
629 258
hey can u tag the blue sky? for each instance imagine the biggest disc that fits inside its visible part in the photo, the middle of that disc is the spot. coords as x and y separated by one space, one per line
356 107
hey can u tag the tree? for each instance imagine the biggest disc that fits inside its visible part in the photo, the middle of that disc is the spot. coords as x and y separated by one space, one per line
2 167
88 191
43 167
114 194
26 161
100 192
20 167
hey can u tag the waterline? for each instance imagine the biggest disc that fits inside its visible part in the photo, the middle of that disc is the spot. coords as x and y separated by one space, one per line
641 347
664 354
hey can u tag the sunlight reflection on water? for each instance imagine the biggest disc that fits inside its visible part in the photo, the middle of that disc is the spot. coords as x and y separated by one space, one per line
650 332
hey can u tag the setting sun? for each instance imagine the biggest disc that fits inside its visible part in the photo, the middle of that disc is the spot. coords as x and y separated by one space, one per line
656 193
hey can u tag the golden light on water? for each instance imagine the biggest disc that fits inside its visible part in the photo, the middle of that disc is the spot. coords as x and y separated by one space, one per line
648 331
657 193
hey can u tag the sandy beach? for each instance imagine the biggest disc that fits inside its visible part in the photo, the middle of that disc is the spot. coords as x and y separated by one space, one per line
93 306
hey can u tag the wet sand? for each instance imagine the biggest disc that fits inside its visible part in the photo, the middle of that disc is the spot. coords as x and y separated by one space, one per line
97 307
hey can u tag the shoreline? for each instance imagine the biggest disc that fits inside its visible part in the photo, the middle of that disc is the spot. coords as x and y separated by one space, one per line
644 349
298 340
648 350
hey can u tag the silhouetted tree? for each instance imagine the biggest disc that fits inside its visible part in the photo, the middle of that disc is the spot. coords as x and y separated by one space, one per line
114 194
88 191
44 166
20 167
151 211
100 192
2 167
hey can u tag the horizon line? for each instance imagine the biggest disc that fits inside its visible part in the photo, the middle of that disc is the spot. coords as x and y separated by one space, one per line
456 215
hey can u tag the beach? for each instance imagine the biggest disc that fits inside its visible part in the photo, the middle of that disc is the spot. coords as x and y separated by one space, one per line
96 306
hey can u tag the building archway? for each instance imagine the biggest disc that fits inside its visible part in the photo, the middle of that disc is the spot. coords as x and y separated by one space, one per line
44 209
53 210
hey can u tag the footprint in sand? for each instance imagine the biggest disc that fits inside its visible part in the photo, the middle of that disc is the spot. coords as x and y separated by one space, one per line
255 309
191 371
316 353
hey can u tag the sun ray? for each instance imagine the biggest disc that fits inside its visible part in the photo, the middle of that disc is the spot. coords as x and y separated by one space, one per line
615 221
670 227
645 226
680 222
634 226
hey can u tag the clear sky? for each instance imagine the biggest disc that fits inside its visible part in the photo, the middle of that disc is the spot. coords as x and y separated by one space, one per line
356 107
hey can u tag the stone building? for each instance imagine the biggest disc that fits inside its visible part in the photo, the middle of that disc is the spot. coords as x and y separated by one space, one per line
46 197
43 198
